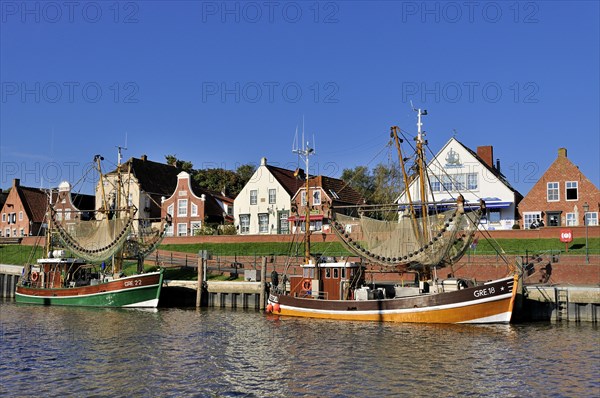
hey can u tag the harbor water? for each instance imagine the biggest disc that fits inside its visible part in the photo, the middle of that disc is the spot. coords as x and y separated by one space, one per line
54 351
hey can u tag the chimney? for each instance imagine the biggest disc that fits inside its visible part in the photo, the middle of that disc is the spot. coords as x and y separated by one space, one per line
562 152
144 157
16 182
498 165
263 161
486 153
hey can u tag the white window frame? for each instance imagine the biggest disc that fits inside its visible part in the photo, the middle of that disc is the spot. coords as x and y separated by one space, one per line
472 181
169 231
436 185
272 196
567 188
591 218
194 211
59 215
303 198
459 182
170 209
21 215
3 217
447 183
7 232
529 217
571 220
182 229
130 199
244 223
253 196
552 190
195 226
263 223
182 205
22 231
316 196
67 214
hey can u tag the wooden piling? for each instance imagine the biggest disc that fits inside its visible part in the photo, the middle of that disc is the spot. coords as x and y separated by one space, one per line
201 262
263 283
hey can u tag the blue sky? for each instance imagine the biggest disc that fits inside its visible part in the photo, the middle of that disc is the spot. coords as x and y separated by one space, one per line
226 83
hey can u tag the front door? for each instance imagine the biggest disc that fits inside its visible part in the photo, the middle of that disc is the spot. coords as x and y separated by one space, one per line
553 218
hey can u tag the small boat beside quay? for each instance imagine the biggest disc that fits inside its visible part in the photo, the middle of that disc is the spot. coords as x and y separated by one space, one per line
416 238
78 248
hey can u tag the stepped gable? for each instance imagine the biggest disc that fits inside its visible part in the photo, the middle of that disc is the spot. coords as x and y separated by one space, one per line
34 202
286 178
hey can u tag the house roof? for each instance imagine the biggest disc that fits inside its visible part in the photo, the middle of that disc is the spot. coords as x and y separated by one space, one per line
153 177
34 202
495 172
212 208
338 190
286 178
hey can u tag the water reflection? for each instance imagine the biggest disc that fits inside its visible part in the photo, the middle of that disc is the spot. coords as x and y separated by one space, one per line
213 352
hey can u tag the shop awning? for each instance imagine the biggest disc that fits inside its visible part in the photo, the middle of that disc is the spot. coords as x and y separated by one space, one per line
313 217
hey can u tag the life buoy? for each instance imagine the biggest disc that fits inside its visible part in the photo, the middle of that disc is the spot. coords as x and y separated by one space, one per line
34 276
306 285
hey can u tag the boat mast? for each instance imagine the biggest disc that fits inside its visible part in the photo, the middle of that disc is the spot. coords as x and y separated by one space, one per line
421 165
305 152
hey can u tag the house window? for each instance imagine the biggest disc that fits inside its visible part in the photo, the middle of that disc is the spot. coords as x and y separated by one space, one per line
253 196
272 196
182 229
229 209
435 184
170 209
554 218
591 218
194 209
530 217
7 232
182 208
303 198
327 273
67 214
3 217
284 224
169 230
472 183
22 231
244 223
196 226
552 192
317 197
336 273
494 216
447 183
20 216
263 223
571 220
571 190
130 200
459 182
59 215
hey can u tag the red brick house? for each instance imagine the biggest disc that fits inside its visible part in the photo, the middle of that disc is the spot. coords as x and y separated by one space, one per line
560 196
325 193
192 207
70 207
23 212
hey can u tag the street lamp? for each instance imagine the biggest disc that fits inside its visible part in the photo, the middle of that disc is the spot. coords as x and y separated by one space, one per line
586 208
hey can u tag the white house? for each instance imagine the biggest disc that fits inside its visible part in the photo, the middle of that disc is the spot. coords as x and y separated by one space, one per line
263 205
456 169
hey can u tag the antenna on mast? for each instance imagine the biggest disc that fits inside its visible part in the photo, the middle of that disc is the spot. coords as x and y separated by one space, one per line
119 149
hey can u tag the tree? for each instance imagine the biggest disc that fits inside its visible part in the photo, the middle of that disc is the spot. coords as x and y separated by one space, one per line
360 180
184 165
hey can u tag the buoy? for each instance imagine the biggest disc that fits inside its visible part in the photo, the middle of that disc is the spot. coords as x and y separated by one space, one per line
34 276
306 284
276 307
269 308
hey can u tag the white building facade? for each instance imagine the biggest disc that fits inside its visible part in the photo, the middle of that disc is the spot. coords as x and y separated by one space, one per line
263 205
457 170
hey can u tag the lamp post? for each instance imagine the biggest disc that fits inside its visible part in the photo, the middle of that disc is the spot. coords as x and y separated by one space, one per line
586 208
